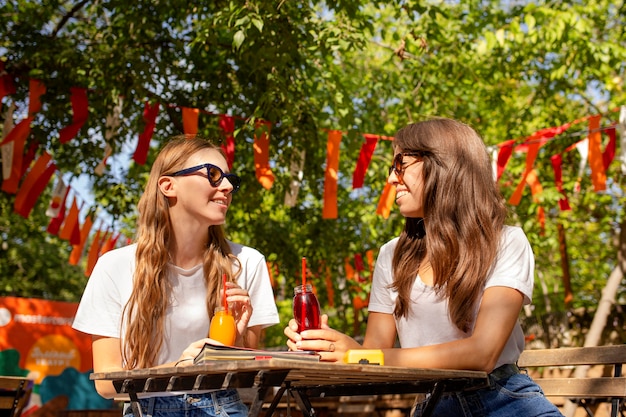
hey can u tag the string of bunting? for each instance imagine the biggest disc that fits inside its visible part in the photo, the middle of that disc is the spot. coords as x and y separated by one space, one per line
20 165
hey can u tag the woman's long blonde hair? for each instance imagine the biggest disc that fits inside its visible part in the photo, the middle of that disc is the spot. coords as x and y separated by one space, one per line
464 214
144 314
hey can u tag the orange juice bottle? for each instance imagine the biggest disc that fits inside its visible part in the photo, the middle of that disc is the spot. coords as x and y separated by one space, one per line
223 327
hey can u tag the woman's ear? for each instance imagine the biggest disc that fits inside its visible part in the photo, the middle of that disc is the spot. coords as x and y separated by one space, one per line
167 186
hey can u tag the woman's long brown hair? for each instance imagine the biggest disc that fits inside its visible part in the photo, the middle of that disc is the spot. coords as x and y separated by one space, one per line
464 215
144 314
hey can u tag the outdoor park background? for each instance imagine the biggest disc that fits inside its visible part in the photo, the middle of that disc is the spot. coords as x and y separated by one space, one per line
304 98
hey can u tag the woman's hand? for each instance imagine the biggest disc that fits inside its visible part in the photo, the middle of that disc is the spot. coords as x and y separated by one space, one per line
191 351
330 344
239 304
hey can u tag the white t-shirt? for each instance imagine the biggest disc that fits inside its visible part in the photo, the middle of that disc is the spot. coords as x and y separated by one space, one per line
111 282
428 321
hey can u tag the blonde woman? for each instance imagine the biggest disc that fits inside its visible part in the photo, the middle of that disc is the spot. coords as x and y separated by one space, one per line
452 285
149 304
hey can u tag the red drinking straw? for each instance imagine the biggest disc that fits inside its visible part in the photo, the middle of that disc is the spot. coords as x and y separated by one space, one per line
224 303
303 274
303 305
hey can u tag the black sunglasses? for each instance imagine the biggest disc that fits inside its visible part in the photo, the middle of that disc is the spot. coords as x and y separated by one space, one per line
214 175
398 165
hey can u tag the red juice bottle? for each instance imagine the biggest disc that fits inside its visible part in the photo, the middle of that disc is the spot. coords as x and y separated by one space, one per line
306 308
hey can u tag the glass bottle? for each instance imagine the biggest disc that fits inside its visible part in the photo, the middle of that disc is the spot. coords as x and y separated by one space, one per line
306 308
223 328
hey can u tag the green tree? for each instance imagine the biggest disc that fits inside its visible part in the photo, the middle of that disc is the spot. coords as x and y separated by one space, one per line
508 69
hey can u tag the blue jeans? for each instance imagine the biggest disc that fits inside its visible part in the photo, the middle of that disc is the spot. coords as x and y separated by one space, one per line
224 403
513 395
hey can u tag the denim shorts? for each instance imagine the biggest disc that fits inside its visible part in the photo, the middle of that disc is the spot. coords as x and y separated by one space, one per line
515 394
224 403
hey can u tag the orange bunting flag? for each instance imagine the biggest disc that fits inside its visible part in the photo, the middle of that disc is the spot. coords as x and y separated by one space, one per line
71 226
94 251
536 189
598 175
7 149
370 260
18 136
349 270
150 113
262 154
227 124
190 120
386 200
109 243
80 113
34 184
270 271
533 150
365 156
77 250
331 175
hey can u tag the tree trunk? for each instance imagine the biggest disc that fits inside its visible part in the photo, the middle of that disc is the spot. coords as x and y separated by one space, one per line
602 313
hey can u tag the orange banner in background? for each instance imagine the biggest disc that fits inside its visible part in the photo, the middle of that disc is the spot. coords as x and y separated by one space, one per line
41 331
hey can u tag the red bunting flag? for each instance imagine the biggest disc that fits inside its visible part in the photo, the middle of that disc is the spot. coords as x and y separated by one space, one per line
55 224
227 124
359 267
365 156
609 152
331 176
598 175
506 150
262 154
556 161
80 113
34 184
190 120
71 226
57 198
77 250
150 113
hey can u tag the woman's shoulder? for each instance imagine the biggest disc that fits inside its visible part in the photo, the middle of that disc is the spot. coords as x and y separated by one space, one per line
124 253
388 248
514 235
245 252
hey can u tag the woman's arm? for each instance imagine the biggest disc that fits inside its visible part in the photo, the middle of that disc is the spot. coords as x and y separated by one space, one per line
106 358
380 332
497 316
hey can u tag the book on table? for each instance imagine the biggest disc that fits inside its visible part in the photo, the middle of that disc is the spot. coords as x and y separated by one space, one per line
211 352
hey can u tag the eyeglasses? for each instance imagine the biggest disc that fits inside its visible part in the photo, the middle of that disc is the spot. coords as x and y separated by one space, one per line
398 164
214 175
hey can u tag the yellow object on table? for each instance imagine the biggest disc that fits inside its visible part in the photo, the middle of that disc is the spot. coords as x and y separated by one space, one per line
365 356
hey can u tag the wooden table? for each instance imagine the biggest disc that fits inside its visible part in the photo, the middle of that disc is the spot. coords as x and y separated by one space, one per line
300 379
14 394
